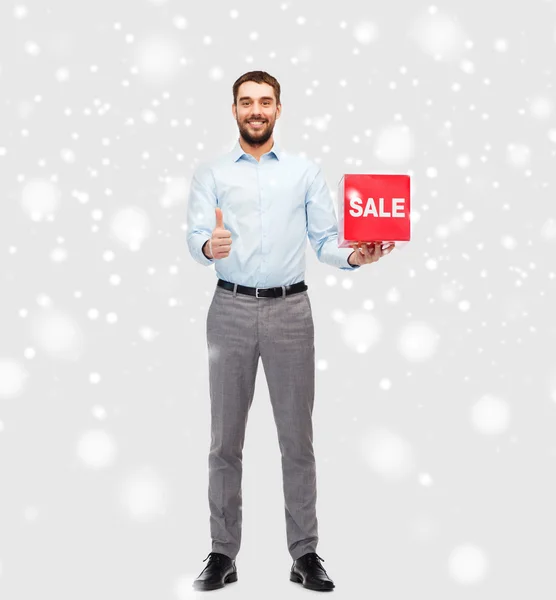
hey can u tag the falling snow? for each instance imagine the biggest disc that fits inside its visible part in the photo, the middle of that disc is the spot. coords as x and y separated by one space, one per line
435 397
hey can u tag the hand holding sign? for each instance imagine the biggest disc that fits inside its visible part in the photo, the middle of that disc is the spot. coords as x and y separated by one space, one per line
373 207
368 253
220 242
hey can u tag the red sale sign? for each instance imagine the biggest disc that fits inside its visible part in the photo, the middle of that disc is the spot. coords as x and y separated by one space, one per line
373 208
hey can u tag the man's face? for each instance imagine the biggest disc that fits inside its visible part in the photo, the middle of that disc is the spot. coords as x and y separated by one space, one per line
256 102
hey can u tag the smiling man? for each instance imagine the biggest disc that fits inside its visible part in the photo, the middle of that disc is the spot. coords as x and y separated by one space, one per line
250 213
257 116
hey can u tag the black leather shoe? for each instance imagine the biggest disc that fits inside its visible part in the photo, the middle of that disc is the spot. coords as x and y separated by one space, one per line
221 569
308 571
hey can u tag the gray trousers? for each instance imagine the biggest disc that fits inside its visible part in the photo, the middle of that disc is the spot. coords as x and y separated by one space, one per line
240 328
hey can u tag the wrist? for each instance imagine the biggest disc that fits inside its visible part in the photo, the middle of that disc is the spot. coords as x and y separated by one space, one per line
206 249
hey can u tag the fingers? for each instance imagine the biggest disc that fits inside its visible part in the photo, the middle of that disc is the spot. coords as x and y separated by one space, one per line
219 218
221 240
221 245
372 251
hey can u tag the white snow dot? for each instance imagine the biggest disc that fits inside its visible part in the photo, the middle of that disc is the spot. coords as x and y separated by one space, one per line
490 415
540 107
508 242
180 22
388 454
365 32
13 378
463 161
425 479
59 255
347 283
130 227
144 495
58 334
548 230
385 384
467 66
464 305
158 58
394 145
501 45
417 342
518 155
322 364
40 199
68 156
468 564
393 295
94 377
439 36
61 74
20 11
149 116
361 331
96 449
32 48
99 412
216 73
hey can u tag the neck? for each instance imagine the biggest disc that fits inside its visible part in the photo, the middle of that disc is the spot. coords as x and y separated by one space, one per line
256 150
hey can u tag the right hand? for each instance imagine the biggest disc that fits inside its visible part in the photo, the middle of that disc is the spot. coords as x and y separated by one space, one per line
221 239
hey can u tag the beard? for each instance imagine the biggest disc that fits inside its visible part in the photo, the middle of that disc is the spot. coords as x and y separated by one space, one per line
256 137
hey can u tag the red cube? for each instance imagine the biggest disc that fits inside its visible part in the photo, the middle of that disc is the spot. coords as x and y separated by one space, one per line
373 208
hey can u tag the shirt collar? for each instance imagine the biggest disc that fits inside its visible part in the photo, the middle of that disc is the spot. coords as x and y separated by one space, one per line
237 152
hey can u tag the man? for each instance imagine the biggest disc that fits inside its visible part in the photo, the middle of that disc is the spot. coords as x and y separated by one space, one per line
264 203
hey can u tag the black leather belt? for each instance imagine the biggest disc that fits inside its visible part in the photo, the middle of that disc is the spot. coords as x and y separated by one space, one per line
275 292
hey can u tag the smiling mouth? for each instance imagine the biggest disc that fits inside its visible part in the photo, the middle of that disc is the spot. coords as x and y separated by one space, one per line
257 124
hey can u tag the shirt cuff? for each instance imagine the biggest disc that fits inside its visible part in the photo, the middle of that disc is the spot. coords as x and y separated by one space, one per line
197 247
350 267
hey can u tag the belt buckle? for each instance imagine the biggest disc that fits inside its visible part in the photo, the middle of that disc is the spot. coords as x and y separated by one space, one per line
257 292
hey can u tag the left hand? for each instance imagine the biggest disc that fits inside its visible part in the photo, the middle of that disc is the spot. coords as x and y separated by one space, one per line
367 253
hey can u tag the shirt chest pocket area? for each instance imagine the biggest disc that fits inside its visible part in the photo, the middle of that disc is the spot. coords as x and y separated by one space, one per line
240 207
242 204
286 195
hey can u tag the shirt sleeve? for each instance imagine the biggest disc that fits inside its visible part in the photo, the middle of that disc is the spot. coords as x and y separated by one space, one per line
201 218
322 225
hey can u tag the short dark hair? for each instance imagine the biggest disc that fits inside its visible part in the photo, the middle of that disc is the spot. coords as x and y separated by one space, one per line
258 77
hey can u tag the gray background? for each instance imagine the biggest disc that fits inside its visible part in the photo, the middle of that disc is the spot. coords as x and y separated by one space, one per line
436 375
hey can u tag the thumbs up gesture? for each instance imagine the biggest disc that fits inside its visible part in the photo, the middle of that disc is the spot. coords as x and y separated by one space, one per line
220 243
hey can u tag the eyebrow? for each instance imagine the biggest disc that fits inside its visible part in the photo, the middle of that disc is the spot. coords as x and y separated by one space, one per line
261 98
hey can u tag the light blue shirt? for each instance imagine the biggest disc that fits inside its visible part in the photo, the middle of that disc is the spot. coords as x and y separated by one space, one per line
270 207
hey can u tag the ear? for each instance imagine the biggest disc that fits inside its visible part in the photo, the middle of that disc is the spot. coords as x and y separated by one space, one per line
234 110
278 111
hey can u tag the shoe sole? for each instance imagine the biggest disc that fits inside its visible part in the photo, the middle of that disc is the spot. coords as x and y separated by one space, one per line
215 586
298 579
